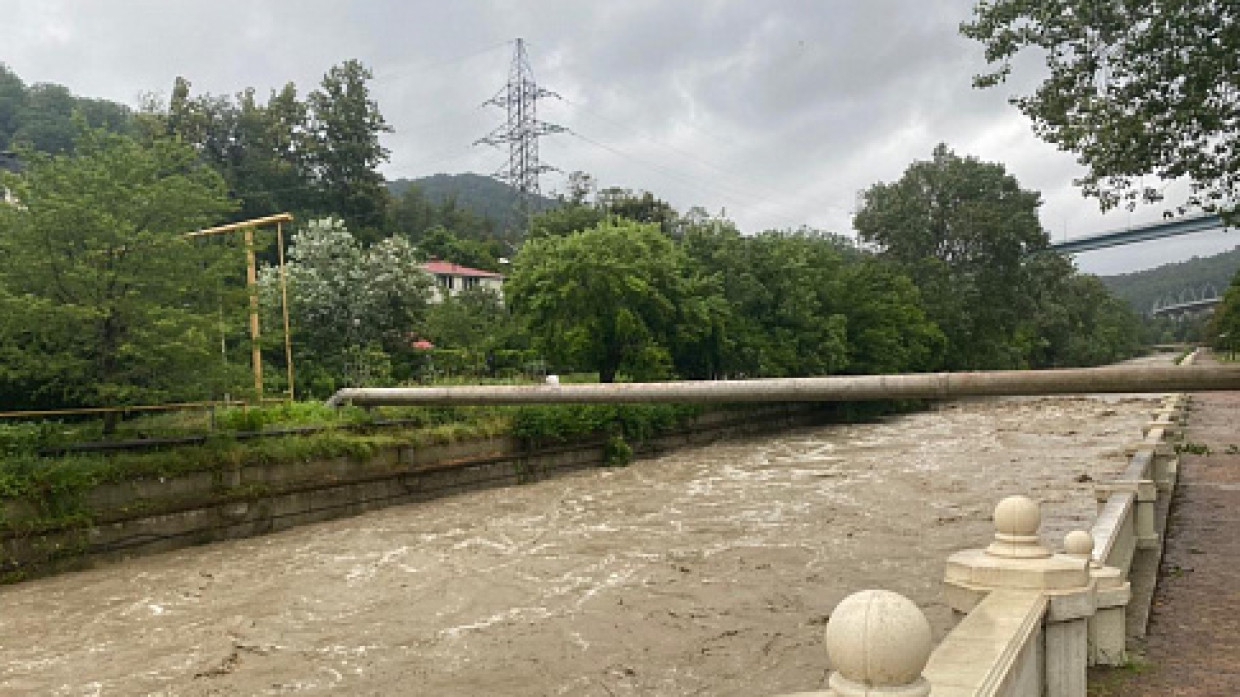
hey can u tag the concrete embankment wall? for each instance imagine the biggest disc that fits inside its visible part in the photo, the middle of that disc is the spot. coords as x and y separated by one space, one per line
143 516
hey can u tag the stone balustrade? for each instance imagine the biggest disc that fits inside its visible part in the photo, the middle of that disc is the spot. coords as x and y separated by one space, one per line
1032 620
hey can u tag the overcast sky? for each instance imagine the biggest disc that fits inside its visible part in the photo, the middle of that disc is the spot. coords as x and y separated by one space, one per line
776 112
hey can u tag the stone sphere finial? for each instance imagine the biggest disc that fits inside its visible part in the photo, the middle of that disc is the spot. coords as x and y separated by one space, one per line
878 639
1018 516
1017 519
1080 544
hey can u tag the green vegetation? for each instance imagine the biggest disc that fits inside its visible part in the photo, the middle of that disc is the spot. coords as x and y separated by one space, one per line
315 158
1135 89
1224 328
1144 289
56 486
473 207
969 238
40 117
104 302
88 265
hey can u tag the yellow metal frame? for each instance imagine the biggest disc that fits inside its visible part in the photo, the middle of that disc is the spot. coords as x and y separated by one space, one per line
247 227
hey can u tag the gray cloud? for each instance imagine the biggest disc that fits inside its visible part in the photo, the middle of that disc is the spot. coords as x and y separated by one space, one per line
778 112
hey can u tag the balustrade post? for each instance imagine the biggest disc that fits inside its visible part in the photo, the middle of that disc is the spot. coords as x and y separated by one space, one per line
1107 628
1017 560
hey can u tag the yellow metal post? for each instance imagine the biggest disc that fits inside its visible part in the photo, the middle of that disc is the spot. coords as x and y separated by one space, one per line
248 227
288 342
251 280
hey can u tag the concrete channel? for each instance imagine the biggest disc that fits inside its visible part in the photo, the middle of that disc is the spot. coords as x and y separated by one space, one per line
708 571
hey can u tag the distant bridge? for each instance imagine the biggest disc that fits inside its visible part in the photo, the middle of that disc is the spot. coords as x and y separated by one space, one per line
1140 233
1190 301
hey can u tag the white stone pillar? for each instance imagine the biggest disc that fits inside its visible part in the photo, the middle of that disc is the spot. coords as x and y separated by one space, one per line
1107 628
1018 560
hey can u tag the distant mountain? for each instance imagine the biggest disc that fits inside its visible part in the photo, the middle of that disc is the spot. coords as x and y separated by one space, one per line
1143 289
481 195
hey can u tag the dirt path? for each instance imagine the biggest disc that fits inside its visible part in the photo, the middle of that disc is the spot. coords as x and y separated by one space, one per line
705 572
1194 634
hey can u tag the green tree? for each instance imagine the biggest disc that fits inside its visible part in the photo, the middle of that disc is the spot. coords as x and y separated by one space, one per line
345 152
348 304
887 328
605 299
106 302
780 286
1135 89
474 319
259 149
12 102
963 230
1224 328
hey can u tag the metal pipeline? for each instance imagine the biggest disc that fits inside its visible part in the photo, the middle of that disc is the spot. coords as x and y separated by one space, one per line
1118 379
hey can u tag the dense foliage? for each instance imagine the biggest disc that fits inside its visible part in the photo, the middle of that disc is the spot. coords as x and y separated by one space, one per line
611 297
352 306
1168 283
610 282
1224 328
317 157
969 238
103 300
486 208
1134 88
41 116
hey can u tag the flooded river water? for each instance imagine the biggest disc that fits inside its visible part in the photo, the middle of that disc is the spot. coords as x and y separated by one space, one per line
708 571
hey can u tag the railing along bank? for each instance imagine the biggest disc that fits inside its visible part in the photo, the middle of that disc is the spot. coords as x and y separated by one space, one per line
1033 620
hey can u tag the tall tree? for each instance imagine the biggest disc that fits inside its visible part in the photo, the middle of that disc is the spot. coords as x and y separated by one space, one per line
1224 328
12 102
107 303
1135 89
260 149
345 151
347 301
604 299
962 229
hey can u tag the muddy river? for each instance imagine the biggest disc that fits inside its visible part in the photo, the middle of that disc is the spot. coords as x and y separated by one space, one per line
705 572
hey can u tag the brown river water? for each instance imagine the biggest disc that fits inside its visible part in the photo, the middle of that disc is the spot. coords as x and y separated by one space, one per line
709 571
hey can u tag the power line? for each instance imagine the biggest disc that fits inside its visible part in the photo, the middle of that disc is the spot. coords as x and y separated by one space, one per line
406 71
687 179
746 182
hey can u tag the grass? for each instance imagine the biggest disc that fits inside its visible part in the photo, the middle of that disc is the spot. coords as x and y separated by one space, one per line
1115 681
56 486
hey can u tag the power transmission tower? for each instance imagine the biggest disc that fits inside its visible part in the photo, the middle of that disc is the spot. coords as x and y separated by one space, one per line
521 131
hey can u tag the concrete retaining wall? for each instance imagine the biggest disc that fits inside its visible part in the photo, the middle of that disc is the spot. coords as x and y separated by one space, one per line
153 515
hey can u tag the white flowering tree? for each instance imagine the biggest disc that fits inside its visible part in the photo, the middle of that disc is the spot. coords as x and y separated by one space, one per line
350 307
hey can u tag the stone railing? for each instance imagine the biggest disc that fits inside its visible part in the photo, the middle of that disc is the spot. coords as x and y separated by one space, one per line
1032 620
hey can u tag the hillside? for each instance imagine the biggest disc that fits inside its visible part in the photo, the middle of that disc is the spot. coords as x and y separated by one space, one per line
1143 289
40 116
478 194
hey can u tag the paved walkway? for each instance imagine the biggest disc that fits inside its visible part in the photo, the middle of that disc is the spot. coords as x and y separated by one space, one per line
1193 646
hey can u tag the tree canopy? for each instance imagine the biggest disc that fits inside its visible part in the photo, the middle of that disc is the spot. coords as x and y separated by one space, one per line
105 301
348 302
40 116
961 228
1135 89
1224 328
606 298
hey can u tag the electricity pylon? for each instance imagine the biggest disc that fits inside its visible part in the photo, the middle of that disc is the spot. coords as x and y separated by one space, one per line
521 131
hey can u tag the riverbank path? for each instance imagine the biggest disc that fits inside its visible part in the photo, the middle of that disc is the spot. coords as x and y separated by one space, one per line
1193 644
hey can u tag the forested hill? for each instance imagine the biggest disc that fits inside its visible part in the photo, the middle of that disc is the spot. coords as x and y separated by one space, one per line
1143 289
478 194
40 116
